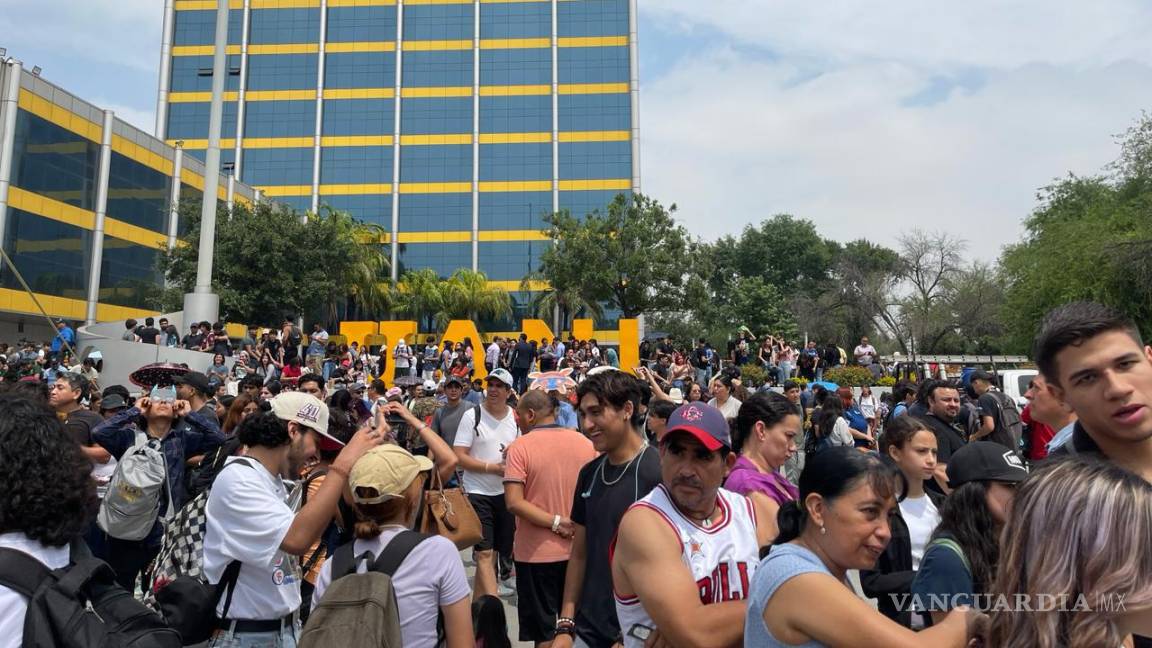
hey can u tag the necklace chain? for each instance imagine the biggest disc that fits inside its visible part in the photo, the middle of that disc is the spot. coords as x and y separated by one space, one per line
604 479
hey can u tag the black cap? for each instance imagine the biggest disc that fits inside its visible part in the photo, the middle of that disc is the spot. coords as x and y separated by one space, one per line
195 380
985 461
980 374
112 401
455 379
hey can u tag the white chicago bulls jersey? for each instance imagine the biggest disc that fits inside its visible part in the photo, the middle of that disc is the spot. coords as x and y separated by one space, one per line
722 558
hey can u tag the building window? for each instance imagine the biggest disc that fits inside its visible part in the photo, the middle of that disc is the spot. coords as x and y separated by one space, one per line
52 257
138 194
55 162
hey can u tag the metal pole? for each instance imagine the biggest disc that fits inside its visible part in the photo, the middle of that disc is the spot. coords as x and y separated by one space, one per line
101 210
165 64
201 304
10 73
174 196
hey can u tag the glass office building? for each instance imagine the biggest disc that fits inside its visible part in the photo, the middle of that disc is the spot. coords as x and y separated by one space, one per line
87 204
453 124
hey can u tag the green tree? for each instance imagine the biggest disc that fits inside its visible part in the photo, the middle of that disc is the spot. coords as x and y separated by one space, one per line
565 304
467 295
784 251
421 295
632 256
270 261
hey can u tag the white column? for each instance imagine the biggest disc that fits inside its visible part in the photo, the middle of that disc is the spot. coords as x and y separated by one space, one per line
10 73
555 108
634 82
165 69
174 195
97 256
241 91
396 140
319 107
202 304
231 191
476 137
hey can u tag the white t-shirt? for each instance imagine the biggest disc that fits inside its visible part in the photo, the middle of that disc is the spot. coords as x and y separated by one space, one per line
492 355
401 355
495 437
730 409
865 353
431 577
13 605
840 434
868 406
921 516
247 520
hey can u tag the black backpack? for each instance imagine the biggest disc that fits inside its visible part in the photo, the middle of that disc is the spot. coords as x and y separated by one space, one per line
81 606
1009 416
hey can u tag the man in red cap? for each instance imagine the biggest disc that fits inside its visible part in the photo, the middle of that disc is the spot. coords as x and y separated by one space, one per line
686 553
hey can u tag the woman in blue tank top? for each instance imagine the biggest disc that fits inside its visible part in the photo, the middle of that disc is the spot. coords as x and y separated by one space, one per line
840 522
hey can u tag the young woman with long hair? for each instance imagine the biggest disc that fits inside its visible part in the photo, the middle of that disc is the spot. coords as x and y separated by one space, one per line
962 555
1079 528
911 447
242 406
764 435
387 485
829 427
839 523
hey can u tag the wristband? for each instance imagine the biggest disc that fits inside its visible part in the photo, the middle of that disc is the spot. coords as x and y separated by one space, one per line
565 625
555 523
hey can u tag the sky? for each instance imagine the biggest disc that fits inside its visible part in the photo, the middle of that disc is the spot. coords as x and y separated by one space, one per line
869 119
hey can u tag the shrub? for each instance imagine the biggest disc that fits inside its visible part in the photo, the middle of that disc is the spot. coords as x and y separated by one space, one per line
753 375
886 381
849 376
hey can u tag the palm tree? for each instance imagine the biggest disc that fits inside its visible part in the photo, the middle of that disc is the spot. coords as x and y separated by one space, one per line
567 302
467 294
367 263
421 295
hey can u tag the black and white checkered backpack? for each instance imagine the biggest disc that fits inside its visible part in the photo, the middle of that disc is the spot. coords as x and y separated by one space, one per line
182 550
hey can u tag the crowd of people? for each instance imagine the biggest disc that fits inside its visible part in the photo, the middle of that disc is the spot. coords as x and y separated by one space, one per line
672 505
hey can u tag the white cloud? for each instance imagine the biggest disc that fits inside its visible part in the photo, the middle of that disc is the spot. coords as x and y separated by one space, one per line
734 138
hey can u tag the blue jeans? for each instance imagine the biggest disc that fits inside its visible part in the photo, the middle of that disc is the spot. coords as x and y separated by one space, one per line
703 376
328 367
286 638
784 371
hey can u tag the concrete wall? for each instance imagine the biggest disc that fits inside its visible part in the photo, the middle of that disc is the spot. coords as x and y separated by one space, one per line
122 358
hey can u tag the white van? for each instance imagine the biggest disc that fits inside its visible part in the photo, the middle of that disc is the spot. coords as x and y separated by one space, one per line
1014 382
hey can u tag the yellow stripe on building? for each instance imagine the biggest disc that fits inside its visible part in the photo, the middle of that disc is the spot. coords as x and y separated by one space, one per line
135 234
59 148
595 136
514 90
285 4
596 185
287 190
436 45
356 140
516 185
436 2
514 285
284 48
593 41
354 189
205 5
360 46
435 187
200 144
60 115
436 92
203 50
197 97
196 181
512 235
52 209
359 93
278 95
515 138
515 43
143 155
278 142
434 237
427 140
593 88
361 3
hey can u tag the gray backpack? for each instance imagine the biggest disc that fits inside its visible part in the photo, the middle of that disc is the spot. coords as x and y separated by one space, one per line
132 504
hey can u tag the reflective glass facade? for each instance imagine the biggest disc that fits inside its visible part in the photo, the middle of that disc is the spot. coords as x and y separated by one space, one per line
62 209
503 111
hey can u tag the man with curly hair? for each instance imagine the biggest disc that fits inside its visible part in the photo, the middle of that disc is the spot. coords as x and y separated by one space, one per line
48 499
